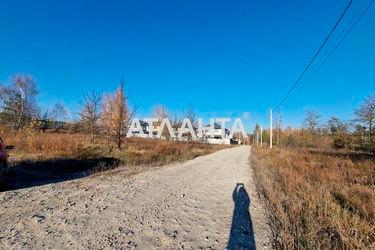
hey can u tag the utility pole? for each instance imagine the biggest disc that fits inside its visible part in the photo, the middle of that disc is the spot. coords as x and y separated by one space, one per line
261 136
271 128
278 128
254 137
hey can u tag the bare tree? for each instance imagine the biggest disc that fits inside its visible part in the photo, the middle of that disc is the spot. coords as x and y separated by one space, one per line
19 100
58 115
45 120
90 114
52 118
365 113
59 112
339 130
336 126
312 121
116 115
192 115
176 120
160 112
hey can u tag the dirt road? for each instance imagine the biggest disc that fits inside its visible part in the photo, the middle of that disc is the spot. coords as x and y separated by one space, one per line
196 204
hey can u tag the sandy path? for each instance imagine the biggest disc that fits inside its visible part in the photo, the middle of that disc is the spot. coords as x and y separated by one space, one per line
188 205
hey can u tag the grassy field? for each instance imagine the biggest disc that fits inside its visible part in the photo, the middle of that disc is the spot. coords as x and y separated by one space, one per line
318 199
41 158
136 151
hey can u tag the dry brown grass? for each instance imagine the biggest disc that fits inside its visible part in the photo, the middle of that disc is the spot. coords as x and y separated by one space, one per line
31 145
318 200
46 144
149 151
42 158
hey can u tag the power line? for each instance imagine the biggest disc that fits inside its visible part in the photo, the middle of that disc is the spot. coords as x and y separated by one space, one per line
349 27
316 54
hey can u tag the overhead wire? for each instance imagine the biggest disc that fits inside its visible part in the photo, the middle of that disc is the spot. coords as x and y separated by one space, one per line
348 28
315 55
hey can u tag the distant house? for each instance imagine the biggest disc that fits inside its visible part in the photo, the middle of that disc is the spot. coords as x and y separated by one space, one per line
217 134
145 129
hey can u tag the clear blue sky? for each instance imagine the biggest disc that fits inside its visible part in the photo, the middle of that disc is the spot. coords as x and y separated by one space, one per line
223 57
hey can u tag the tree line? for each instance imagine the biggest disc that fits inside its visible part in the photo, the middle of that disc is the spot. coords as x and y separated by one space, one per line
106 114
353 134
356 133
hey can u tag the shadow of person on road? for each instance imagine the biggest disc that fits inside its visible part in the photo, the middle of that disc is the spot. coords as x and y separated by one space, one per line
241 233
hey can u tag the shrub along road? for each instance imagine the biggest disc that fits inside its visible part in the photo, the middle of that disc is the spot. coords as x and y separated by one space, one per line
200 203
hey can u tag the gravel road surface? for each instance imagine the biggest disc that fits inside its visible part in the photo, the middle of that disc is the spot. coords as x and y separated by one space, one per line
206 203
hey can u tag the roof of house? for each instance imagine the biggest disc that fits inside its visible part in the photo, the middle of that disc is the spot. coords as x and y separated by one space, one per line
143 123
216 126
